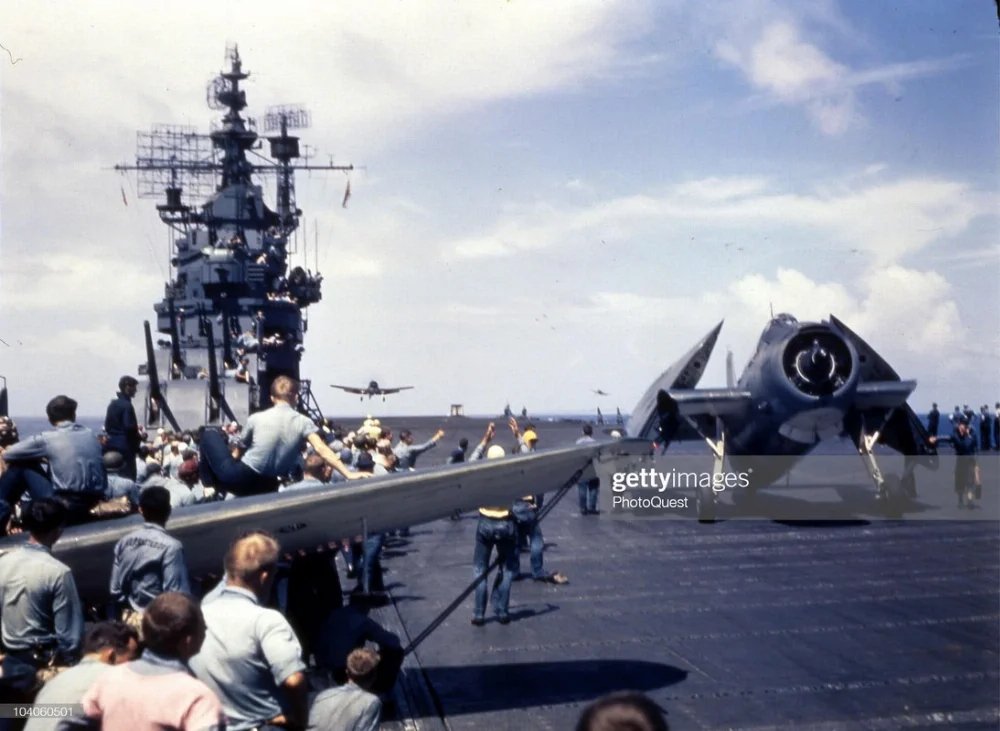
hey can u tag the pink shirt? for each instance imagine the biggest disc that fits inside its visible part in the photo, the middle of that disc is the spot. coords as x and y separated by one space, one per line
151 694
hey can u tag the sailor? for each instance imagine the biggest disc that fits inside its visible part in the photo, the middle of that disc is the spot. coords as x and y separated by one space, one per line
933 419
589 488
351 705
964 442
348 628
366 554
76 465
157 690
122 427
315 473
148 561
250 657
119 486
969 414
40 611
985 429
407 453
104 645
406 456
185 489
996 426
271 444
497 529
458 454
623 710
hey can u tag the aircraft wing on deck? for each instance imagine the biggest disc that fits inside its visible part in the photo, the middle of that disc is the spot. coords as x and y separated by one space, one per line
307 518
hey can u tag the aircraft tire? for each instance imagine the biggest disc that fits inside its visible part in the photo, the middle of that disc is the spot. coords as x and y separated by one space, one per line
909 485
706 504
895 497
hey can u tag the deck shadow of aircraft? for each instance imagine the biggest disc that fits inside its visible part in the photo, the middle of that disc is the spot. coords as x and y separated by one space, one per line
854 505
527 685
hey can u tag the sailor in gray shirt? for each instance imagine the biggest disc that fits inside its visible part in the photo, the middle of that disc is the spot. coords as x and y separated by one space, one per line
76 465
271 444
118 485
40 611
104 645
350 707
251 658
407 453
149 561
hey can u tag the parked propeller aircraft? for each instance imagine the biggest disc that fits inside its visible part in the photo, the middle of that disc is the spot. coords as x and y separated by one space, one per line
371 390
806 382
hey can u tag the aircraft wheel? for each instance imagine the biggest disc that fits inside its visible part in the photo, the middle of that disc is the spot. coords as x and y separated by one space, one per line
895 497
909 485
706 504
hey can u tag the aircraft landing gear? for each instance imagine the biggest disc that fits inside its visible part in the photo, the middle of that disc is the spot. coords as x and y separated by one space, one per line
892 490
706 493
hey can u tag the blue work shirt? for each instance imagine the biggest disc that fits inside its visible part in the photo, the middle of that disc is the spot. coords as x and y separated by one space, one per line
119 486
345 707
249 652
273 440
967 446
39 603
148 562
121 426
407 453
76 461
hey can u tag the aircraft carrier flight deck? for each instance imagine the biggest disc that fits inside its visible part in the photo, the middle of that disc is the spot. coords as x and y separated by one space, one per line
859 623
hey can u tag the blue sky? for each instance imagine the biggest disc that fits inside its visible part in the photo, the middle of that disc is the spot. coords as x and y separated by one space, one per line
557 196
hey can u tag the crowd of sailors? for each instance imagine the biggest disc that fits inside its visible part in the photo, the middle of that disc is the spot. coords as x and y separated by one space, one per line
244 651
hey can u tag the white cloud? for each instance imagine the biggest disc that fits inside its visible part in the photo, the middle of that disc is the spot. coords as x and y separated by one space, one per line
768 45
885 221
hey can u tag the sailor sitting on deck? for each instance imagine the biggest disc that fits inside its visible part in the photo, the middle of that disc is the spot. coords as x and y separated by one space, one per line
76 466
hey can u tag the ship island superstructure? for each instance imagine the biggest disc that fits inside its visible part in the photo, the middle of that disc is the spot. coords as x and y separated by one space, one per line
233 313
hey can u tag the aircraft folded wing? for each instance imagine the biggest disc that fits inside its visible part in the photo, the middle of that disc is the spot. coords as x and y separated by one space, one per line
882 404
882 394
307 518
349 389
712 402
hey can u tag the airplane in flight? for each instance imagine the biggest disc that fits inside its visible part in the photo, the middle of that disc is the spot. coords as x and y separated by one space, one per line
599 392
371 390
806 382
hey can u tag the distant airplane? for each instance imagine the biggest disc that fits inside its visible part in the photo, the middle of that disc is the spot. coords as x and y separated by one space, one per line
806 382
372 390
599 392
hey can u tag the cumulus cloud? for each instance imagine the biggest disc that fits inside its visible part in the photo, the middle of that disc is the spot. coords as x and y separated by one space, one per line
769 44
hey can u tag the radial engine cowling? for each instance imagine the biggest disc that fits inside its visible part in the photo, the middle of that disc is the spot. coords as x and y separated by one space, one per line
818 362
